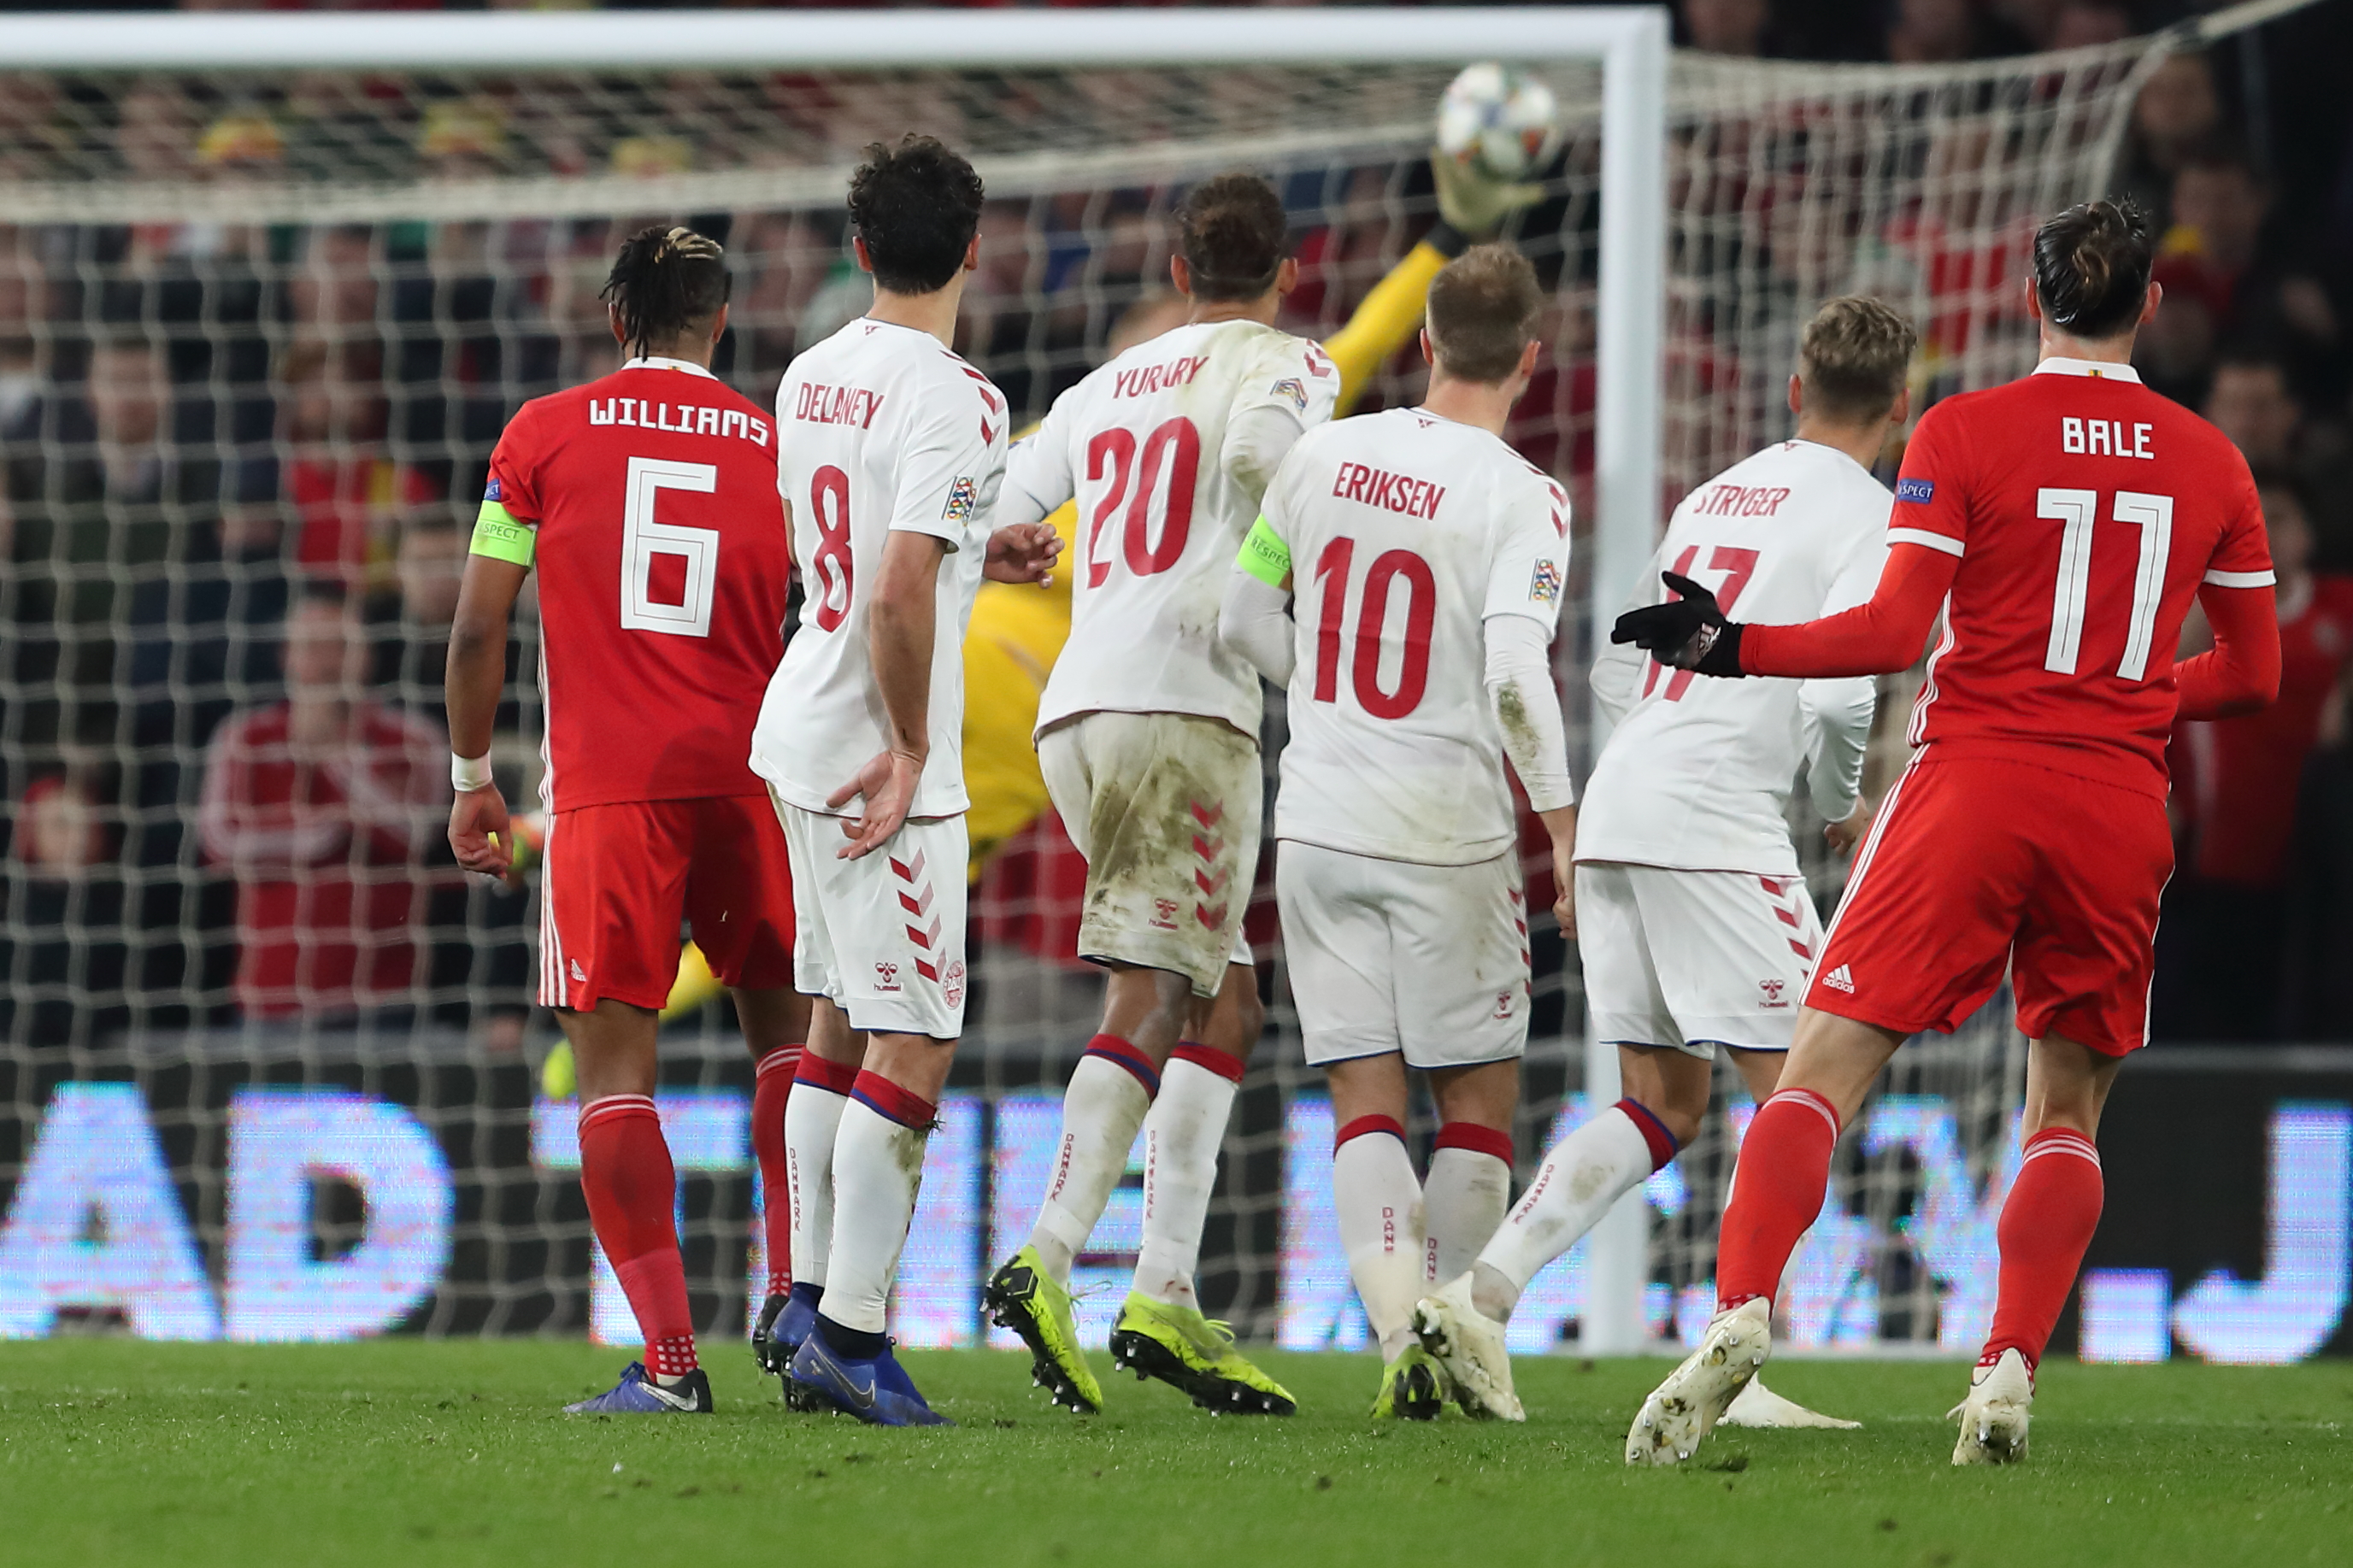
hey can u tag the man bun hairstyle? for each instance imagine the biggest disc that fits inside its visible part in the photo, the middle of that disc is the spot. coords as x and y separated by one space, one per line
1234 235
1483 310
917 207
2092 264
1854 359
666 282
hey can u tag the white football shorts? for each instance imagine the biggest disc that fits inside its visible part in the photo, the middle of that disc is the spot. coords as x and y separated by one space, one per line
1390 955
1694 959
880 937
1165 807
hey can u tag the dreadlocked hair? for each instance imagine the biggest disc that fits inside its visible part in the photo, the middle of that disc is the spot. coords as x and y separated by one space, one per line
665 280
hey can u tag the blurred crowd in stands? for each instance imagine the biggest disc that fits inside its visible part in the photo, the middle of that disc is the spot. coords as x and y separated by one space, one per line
238 465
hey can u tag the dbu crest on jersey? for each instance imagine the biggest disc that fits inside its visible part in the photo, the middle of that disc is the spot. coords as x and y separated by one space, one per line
1543 586
1292 388
962 496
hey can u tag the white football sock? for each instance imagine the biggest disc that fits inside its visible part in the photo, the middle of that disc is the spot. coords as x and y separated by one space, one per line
1463 1199
1181 1140
1379 1206
812 1119
878 1167
1101 1111
1588 1171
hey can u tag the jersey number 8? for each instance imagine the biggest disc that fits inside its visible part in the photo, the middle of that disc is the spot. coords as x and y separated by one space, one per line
642 539
830 564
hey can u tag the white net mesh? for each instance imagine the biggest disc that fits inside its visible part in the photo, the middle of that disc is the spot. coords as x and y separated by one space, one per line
258 333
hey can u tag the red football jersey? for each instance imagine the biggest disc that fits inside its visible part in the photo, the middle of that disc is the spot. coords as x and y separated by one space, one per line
662 560
2087 510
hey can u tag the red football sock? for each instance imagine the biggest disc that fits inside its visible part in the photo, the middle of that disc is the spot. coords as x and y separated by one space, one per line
632 1192
2046 1222
772 1083
1776 1190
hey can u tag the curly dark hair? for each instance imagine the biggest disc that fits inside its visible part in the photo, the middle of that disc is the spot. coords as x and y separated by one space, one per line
917 207
665 281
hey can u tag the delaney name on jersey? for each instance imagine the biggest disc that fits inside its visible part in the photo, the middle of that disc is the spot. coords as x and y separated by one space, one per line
691 419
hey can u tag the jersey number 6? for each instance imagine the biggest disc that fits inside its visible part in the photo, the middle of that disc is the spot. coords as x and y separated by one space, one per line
1175 444
642 539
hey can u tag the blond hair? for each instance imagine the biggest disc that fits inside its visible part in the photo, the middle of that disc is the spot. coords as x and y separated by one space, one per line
1483 309
1854 358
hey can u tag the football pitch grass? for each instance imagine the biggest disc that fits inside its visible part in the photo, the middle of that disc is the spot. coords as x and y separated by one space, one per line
454 1452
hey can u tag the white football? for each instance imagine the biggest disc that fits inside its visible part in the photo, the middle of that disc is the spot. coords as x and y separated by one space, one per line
1501 120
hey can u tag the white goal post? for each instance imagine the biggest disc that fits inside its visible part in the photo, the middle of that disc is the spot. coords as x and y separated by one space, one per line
1631 45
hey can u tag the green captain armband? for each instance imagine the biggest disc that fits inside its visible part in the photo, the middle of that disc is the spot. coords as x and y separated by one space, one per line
498 535
1264 554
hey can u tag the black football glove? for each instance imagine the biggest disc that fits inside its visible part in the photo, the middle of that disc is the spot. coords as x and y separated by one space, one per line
1687 633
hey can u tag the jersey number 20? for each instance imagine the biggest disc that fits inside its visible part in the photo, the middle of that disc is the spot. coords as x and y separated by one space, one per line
1175 446
643 538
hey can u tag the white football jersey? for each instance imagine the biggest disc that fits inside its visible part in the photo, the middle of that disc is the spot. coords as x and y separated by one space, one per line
1697 774
1142 445
878 428
1407 533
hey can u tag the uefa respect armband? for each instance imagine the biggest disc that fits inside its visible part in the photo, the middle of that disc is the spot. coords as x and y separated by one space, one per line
499 535
1264 554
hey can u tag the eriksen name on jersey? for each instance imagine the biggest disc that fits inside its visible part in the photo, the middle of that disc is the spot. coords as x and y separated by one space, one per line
1399 493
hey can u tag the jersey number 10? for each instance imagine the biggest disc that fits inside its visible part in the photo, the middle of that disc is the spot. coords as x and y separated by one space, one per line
1389 569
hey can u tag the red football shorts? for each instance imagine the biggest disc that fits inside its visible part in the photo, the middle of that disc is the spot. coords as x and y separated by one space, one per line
616 881
1978 864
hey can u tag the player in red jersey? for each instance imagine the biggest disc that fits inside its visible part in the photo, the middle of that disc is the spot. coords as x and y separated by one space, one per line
648 502
2065 522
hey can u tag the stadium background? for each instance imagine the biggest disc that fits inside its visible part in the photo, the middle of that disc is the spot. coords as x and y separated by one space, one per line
257 336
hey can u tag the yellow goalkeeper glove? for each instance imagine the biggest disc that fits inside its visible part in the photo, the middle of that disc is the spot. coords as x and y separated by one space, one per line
1472 205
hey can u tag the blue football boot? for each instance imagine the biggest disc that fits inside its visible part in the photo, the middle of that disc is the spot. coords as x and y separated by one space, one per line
784 1322
639 1395
876 1390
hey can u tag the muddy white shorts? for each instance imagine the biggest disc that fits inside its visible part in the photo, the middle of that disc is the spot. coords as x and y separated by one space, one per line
1694 959
1165 809
880 937
1390 955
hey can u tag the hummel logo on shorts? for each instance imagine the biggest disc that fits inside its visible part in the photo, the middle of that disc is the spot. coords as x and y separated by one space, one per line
1840 980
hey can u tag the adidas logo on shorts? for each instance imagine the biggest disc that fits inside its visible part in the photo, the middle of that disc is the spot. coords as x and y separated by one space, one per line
1840 980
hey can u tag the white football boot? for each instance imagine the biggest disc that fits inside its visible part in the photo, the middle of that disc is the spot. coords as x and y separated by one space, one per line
1994 1416
1470 1345
1757 1405
1685 1408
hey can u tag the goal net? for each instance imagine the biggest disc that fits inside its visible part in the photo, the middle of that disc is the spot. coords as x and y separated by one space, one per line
270 1067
